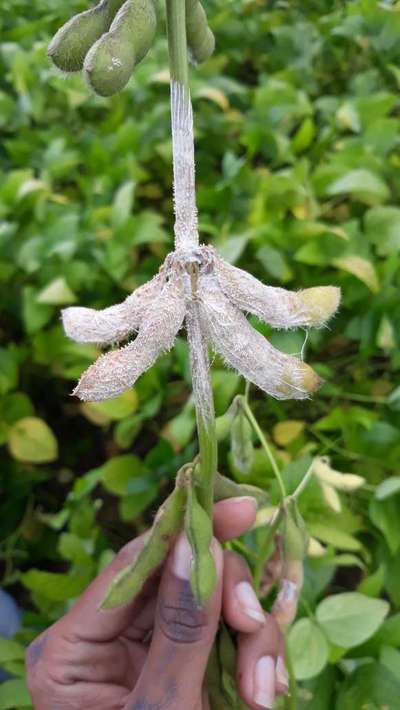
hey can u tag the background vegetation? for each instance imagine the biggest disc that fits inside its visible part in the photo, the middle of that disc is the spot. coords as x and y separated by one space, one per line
298 136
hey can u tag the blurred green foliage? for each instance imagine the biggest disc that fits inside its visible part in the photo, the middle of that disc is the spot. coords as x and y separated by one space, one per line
298 132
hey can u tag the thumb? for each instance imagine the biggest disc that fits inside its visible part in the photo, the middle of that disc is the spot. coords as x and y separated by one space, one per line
182 638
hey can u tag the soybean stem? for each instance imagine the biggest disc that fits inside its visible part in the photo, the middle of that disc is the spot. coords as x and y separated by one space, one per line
204 403
303 483
253 421
177 43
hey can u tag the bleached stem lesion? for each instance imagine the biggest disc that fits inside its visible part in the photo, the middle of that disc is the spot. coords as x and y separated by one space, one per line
186 226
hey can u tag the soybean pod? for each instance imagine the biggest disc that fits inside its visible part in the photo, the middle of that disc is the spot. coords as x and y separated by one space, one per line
198 528
129 581
71 43
109 63
200 39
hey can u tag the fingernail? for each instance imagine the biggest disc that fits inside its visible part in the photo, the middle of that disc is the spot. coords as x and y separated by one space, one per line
264 682
247 499
248 602
182 558
281 672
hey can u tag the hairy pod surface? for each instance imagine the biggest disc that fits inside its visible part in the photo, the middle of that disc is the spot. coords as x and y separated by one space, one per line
198 528
109 63
71 43
200 39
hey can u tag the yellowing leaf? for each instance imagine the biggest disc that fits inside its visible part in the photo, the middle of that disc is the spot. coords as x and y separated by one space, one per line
56 293
385 337
32 441
111 410
285 432
215 95
361 268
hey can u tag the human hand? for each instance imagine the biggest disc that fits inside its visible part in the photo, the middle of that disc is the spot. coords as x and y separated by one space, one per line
151 654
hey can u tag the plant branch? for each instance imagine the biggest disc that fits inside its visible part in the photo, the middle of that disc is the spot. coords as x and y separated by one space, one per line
254 423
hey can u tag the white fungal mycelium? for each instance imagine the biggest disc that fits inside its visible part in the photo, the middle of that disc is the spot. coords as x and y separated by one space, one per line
196 287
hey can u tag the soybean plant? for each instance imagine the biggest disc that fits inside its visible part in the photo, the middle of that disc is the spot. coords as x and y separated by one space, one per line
197 290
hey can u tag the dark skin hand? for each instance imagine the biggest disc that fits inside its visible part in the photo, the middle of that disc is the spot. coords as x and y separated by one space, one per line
151 654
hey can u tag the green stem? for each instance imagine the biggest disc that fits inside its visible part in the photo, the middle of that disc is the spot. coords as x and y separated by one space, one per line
177 43
304 482
266 547
254 423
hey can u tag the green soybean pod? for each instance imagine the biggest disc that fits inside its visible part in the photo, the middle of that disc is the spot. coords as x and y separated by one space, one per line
127 584
109 63
242 448
71 43
198 528
200 39
226 488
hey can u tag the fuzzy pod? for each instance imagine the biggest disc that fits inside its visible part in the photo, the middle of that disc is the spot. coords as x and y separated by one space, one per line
70 45
200 39
109 63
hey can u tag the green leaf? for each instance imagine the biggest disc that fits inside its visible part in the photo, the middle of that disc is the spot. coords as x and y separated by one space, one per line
56 293
385 515
334 536
10 650
308 649
350 618
8 371
131 506
32 441
390 658
372 686
388 488
382 227
361 268
362 185
117 473
14 694
112 409
55 586
123 202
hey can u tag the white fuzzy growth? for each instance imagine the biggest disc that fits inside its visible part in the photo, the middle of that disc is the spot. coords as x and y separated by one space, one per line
186 232
117 371
276 306
113 324
246 350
